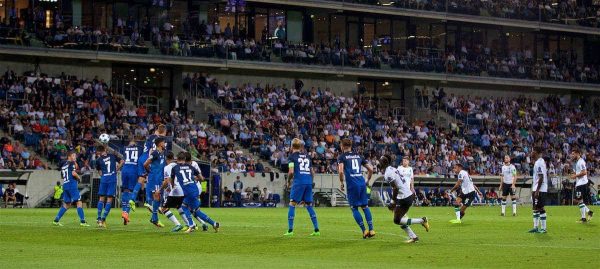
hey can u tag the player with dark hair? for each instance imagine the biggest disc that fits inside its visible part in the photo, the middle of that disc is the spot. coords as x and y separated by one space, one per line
467 195
582 189
350 169
155 165
173 193
107 164
402 181
70 190
508 180
161 131
539 188
129 178
300 170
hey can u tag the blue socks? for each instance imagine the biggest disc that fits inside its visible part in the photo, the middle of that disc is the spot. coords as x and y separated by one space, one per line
61 212
134 193
186 215
155 205
106 210
125 201
100 208
204 217
358 218
291 215
368 217
313 217
80 213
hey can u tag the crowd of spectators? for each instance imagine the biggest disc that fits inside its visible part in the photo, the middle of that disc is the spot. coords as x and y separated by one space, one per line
513 126
583 13
264 119
54 115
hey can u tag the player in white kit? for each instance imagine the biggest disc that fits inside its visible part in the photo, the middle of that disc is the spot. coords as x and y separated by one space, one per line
539 188
402 179
173 193
468 193
582 189
508 181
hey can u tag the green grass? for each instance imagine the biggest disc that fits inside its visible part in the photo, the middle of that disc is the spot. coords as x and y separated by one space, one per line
253 238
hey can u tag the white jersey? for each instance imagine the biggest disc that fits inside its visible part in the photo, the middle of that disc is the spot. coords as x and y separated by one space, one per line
198 183
508 173
579 167
540 173
401 179
466 185
176 189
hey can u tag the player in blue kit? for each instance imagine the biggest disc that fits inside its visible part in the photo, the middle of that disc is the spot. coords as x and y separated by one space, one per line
161 131
185 175
155 165
350 168
107 164
300 170
70 190
129 176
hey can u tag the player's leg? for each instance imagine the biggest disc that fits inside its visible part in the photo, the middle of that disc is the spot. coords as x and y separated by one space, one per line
65 206
102 189
457 204
195 206
543 218
364 199
536 215
185 208
503 203
308 200
587 199
107 207
142 176
155 202
580 194
400 219
186 216
295 197
513 199
170 202
358 218
81 215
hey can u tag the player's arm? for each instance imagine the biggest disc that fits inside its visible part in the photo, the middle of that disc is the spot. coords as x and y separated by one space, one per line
120 162
582 173
392 204
290 174
74 173
341 175
148 162
456 186
514 178
412 184
477 190
369 173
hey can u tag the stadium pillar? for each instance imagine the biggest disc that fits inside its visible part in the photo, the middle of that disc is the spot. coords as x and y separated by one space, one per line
77 11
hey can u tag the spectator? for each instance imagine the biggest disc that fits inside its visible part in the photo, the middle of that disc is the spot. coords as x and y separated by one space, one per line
227 195
238 187
58 190
10 195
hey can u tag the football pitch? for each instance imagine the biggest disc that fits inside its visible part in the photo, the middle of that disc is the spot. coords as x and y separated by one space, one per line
252 238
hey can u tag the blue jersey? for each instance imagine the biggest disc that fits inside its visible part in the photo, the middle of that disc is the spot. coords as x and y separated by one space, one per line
107 165
185 176
157 165
149 144
353 169
302 168
131 154
66 172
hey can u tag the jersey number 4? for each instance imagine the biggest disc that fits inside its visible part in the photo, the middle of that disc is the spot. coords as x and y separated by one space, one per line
304 164
355 166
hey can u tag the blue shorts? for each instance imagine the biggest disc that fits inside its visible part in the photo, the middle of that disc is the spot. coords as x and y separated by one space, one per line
357 196
302 193
192 202
70 196
107 188
154 182
140 165
128 179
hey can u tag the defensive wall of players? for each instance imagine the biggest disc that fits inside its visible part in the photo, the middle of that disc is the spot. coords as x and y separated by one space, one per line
39 185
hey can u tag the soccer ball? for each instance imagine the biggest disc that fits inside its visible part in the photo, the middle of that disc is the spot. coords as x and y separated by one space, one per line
104 138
